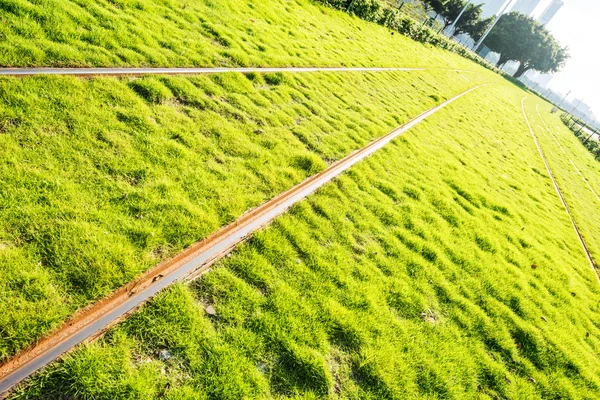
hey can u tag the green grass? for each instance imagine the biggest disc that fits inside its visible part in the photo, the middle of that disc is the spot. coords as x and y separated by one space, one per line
408 276
164 33
104 178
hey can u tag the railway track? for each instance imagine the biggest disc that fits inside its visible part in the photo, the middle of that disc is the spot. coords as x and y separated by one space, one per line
560 195
93 321
81 72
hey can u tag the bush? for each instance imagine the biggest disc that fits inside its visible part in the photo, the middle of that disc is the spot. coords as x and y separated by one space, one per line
390 18
339 4
592 146
369 10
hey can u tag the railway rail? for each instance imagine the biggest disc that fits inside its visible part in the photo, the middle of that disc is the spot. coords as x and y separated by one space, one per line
81 72
560 195
93 321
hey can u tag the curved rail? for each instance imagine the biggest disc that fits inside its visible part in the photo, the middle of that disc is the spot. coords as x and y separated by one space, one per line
195 260
560 195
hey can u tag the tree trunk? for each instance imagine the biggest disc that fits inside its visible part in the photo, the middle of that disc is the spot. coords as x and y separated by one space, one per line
521 70
503 60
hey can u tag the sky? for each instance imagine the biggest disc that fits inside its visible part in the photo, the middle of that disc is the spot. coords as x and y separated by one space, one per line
576 25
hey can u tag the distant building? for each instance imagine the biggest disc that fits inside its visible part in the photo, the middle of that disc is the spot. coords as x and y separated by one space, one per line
583 109
525 6
544 79
536 80
491 7
550 11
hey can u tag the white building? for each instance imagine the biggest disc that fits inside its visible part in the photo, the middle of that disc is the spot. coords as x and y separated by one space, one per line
544 80
537 80
550 11
525 6
492 7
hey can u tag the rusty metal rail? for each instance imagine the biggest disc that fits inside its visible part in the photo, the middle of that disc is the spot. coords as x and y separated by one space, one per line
93 321
188 71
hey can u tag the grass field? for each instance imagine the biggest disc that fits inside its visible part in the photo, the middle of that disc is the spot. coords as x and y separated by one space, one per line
104 178
409 276
201 33
441 267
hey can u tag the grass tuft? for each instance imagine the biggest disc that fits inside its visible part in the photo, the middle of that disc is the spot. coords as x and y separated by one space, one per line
151 90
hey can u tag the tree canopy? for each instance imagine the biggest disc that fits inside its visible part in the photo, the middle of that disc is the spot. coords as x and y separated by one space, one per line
519 37
438 6
470 22
477 30
453 8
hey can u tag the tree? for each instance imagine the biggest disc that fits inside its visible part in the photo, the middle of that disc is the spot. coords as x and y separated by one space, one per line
437 6
549 56
452 9
477 30
519 37
470 22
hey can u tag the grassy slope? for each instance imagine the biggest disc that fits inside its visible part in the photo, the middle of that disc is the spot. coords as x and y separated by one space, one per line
103 178
90 198
580 198
200 33
98 174
408 276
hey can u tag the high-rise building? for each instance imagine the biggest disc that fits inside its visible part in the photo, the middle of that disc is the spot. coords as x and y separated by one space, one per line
525 6
492 7
550 11
544 79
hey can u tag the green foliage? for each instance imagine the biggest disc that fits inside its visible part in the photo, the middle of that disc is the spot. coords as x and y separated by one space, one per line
519 37
409 276
452 10
584 135
369 10
437 6
470 22
396 280
477 29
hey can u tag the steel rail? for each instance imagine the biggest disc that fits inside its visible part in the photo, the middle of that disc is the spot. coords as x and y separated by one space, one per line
193 71
537 108
560 195
91 322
